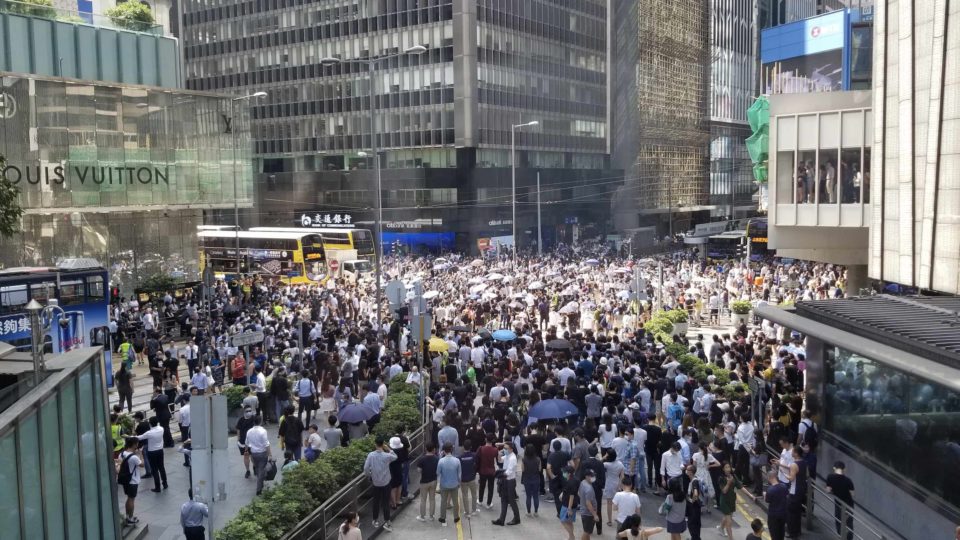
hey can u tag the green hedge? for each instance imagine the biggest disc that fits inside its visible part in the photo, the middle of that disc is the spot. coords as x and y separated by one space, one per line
307 486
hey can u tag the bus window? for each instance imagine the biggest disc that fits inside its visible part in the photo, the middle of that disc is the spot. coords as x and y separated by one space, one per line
95 288
71 292
41 292
13 298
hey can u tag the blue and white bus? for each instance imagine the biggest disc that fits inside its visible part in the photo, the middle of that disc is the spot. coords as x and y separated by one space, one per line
80 287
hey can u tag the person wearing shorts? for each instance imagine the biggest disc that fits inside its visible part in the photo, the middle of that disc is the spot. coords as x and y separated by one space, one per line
130 457
589 513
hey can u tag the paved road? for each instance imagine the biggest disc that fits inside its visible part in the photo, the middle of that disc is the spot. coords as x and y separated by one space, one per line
546 526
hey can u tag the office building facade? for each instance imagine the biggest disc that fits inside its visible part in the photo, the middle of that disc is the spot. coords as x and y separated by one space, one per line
915 230
443 116
733 87
661 85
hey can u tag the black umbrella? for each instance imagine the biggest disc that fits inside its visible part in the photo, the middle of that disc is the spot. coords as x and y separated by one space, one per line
558 345
484 333
461 328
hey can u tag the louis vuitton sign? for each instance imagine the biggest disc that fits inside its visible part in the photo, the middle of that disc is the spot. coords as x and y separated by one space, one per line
72 176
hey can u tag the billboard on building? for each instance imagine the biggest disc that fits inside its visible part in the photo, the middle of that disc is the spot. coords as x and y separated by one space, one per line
812 55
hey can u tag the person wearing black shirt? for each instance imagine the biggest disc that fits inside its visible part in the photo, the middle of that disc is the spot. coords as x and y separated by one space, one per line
243 426
599 473
160 404
538 441
142 427
651 447
841 486
757 527
570 497
777 498
556 462
291 431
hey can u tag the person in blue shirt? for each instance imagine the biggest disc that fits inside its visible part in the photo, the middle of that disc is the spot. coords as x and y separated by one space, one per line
448 477
585 367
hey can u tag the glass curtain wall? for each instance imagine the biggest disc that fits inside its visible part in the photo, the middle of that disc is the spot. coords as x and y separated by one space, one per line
909 425
55 466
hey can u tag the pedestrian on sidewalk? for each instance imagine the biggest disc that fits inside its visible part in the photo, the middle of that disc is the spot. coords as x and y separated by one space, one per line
777 498
154 438
448 476
468 479
184 421
192 514
161 408
428 480
377 467
130 478
258 447
487 467
291 431
350 529
243 427
508 485
530 478
124 378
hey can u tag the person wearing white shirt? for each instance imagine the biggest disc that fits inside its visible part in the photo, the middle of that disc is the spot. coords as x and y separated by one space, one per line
508 497
184 421
626 503
743 443
258 446
130 458
565 375
671 464
260 387
154 438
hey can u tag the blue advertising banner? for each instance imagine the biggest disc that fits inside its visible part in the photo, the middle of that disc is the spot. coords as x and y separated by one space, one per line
811 36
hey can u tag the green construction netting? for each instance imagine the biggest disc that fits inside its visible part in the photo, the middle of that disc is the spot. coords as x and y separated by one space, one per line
760 173
759 113
758 146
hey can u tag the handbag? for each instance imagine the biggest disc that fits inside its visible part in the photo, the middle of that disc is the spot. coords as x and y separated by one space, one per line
270 471
665 506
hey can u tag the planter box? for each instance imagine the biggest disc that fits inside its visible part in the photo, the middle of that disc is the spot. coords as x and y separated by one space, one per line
680 328
739 319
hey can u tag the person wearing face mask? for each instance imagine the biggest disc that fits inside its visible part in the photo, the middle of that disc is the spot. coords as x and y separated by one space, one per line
570 501
589 512
508 497
243 426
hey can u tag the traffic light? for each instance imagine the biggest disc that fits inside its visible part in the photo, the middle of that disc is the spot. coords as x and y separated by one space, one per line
114 294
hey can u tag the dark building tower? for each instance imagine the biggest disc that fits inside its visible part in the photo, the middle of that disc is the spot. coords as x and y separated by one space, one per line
441 119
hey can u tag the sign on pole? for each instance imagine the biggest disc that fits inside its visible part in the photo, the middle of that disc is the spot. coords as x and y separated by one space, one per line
247 338
395 292
420 326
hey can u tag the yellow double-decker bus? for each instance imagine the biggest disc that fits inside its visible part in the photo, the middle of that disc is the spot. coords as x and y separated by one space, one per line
334 238
293 257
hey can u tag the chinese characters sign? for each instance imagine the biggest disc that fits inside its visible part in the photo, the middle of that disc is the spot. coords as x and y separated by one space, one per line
14 325
320 220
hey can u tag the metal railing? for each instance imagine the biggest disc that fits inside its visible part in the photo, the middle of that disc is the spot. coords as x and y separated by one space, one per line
75 16
837 516
323 523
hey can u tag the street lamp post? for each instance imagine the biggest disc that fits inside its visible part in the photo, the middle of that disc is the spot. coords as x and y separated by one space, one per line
371 64
513 181
236 180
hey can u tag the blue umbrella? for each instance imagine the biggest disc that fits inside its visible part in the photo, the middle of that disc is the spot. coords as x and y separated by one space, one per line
552 409
353 413
504 335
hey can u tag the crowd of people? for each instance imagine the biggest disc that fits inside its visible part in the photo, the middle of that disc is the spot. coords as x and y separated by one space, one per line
641 420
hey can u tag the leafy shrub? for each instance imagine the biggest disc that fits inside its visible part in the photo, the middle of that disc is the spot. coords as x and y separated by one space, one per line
741 307
34 8
659 324
241 529
688 362
676 349
736 389
304 488
676 315
235 395
132 15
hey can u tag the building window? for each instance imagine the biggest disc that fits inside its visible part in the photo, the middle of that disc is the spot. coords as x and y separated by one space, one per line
903 423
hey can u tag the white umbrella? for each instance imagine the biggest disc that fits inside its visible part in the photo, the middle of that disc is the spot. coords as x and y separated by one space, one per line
591 262
441 266
440 260
495 277
622 271
476 262
429 295
478 288
475 280
552 273
571 307
623 294
516 305
535 285
693 290
489 295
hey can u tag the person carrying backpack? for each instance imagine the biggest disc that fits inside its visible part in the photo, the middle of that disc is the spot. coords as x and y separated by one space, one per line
808 439
128 475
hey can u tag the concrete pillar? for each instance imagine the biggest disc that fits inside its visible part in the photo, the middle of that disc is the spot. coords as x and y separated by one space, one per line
856 279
